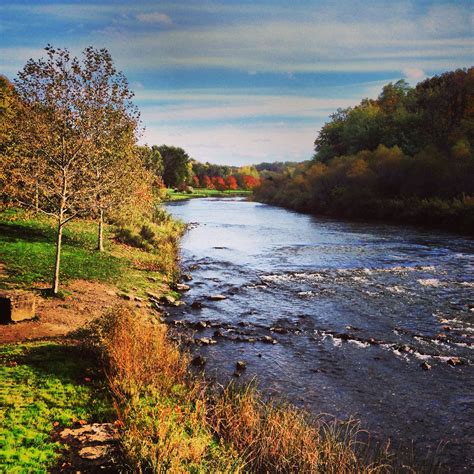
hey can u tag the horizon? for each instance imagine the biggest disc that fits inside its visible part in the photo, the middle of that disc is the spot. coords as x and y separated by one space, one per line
241 83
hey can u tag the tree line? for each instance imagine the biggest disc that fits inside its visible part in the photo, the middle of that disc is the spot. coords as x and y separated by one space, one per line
174 168
406 156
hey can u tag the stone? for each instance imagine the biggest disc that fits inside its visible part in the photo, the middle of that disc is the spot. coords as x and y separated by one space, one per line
216 297
455 361
186 277
199 361
16 306
181 287
279 330
199 325
153 296
167 299
196 305
94 452
240 365
269 340
205 341
178 303
425 366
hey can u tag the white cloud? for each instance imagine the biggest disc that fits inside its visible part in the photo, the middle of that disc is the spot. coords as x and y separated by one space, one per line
194 106
310 45
154 17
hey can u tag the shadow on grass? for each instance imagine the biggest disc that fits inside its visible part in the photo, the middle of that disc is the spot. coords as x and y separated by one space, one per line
65 361
14 232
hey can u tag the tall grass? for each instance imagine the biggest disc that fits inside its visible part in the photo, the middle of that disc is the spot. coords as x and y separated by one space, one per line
173 421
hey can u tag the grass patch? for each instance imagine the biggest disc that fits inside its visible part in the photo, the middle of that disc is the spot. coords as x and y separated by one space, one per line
40 384
172 195
27 246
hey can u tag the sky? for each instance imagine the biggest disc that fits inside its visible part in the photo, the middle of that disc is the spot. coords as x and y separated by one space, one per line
241 82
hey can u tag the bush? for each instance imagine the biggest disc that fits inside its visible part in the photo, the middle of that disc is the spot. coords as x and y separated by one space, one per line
174 422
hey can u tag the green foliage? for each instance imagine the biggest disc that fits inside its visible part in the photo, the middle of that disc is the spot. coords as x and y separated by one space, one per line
41 384
391 159
437 112
177 168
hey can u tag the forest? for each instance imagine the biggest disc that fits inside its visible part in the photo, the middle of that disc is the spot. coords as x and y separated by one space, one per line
406 156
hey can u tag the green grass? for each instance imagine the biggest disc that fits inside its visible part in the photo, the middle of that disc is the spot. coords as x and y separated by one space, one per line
40 384
27 246
204 193
27 251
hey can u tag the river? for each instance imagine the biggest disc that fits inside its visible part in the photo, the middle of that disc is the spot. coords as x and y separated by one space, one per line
338 317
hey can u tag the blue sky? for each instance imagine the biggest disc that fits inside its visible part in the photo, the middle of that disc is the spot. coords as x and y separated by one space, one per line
248 81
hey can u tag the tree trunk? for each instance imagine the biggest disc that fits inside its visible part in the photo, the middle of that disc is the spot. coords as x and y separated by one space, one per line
100 240
37 197
59 239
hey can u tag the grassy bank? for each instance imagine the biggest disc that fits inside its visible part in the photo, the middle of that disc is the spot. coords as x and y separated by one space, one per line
173 421
132 254
172 195
52 384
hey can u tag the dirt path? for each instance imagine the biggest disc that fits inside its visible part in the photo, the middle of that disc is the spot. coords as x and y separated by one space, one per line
56 317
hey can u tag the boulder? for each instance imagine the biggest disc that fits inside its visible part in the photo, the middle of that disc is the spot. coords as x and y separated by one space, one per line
240 365
16 306
199 325
186 277
168 299
425 366
181 287
216 297
455 361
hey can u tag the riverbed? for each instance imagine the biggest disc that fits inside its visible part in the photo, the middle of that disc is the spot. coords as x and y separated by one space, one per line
366 320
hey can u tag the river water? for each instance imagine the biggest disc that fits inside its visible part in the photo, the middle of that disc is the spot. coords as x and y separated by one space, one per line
338 317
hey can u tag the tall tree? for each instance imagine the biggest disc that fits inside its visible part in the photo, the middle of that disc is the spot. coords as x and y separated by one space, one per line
114 122
73 118
177 165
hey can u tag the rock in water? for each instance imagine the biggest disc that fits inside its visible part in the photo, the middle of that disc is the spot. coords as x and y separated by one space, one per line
455 361
199 361
425 366
216 297
240 365
168 299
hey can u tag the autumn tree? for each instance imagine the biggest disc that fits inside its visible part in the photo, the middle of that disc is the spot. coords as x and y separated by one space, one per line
206 182
66 132
114 122
231 182
219 183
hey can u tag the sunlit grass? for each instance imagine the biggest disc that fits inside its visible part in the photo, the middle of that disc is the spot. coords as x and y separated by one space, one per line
172 195
42 385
